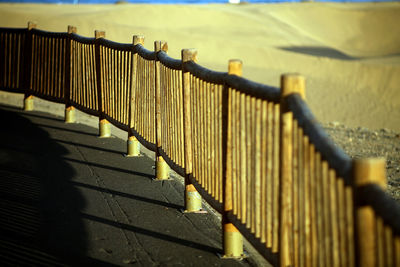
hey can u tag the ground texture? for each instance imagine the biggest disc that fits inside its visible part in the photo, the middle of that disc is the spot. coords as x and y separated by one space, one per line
364 143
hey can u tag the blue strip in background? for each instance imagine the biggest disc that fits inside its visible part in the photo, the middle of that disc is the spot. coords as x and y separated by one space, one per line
171 1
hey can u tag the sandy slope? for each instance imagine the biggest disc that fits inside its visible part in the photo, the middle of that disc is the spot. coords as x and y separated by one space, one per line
350 53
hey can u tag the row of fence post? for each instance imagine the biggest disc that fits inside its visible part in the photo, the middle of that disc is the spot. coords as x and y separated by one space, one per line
365 171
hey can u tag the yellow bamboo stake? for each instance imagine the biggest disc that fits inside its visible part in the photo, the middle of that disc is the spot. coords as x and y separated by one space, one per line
69 109
365 172
28 103
192 197
233 240
162 168
70 114
28 99
104 125
290 84
133 144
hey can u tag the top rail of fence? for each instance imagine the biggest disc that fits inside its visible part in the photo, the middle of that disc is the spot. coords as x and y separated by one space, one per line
385 206
144 53
49 34
82 39
172 63
205 74
114 45
254 89
12 30
334 155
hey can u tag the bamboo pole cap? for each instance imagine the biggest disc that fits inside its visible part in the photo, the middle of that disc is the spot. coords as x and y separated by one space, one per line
229 227
31 25
189 55
235 67
370 171
190 188
138 39
293 83
160 46
72 29
99 34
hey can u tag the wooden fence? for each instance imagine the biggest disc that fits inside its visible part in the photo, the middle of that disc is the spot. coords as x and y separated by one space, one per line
253 152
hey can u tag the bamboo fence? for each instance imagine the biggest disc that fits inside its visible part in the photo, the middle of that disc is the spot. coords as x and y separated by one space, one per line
253 152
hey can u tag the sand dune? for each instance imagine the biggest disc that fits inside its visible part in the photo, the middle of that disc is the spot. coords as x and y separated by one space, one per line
349 53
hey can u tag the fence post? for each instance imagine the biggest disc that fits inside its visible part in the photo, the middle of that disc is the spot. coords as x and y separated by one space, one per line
28 98
192 197
290 84
133 144
104 125
232 238
162 168
69 109
365 172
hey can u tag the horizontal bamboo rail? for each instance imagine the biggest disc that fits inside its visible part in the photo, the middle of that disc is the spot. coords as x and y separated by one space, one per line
253 152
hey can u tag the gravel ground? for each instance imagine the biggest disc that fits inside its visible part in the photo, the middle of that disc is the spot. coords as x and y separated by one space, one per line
362 142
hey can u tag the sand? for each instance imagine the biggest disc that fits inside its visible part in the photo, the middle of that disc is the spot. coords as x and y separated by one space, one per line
348 52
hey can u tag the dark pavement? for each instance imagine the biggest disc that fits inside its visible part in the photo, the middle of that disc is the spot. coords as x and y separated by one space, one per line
70 198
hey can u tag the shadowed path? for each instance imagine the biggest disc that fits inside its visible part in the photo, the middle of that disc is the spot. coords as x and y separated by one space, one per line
70 198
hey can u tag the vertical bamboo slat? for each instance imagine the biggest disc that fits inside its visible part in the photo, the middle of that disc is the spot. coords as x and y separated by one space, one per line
11 61
133 112
231 155
44 71
365 172
388 245
237 155
99 34
202 130
313 207
301 199
3 53
326 229
276 177
396 249
242 158
341 216
306 253
207 137
217 165
319 210
257 166
334 235
194 119
266 174
294 237
267 171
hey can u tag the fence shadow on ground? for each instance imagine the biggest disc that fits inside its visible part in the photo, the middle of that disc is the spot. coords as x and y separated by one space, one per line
40 221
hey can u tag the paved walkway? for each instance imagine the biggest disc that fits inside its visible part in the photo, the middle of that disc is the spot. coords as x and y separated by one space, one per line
70 198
